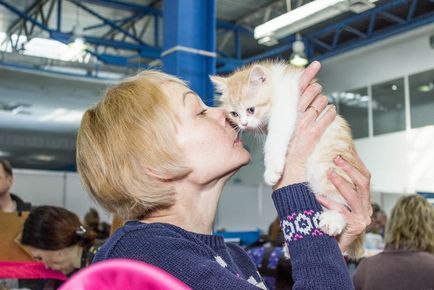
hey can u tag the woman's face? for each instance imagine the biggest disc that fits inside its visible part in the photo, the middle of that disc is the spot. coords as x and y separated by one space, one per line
210 145
55 260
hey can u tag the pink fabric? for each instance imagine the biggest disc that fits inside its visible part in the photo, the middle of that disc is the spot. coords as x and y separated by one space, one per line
28 270
123 274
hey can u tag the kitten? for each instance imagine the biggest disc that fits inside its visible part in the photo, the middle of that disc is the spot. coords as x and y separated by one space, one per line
265 95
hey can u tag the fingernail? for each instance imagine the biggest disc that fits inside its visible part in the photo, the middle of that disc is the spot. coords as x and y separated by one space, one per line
315 64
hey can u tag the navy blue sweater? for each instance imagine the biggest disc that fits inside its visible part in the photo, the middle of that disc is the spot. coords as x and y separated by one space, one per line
206 262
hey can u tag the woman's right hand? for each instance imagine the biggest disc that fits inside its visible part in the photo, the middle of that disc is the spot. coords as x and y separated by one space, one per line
308 128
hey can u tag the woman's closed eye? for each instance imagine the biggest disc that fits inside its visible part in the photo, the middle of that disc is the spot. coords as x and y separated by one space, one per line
203 112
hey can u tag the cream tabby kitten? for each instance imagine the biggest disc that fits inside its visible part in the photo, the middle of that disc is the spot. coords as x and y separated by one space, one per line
265 95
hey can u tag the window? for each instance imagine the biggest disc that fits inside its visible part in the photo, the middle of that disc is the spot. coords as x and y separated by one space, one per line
388 106
353 106
422 99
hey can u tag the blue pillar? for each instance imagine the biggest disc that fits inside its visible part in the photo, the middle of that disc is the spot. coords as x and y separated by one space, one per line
189 39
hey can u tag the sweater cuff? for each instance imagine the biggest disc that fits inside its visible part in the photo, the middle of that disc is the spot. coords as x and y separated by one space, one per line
295 198
298 211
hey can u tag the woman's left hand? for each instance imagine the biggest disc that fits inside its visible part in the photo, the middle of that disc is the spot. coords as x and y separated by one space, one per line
358 197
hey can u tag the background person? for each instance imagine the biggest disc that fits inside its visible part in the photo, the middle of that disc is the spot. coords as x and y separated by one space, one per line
374 237
56 237
9 202
92 222
408 259
269 257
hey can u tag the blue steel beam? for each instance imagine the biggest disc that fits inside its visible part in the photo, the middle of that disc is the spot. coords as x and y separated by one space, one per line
107 21
313 41
59 15
373 34
137 8
189 43
142 49
117 22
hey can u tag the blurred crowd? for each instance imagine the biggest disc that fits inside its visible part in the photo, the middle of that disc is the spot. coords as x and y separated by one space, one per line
399 250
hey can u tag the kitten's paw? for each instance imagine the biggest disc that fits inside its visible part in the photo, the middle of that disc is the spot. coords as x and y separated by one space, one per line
332 223
272 177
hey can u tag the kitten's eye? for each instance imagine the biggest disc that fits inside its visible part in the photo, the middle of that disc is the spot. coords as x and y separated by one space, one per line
234 114
251 110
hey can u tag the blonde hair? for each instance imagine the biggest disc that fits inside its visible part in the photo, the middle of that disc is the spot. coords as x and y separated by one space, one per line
130 129
411 225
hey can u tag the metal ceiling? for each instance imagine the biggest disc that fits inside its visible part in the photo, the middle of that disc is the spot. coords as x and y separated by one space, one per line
125 36
128 34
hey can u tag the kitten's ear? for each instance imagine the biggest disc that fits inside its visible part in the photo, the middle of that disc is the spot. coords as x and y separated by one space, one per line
257 75
219 83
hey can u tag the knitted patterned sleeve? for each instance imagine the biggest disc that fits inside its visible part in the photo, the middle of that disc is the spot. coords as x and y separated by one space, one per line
317 262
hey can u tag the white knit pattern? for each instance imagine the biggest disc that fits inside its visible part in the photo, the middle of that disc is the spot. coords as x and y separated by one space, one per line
296 226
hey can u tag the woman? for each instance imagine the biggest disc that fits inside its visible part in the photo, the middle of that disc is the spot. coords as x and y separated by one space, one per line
408 259
150 151
56 237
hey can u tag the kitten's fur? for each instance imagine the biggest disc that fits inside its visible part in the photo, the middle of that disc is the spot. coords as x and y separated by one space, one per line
272 90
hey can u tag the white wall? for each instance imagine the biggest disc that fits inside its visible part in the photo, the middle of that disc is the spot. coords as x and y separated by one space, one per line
244 207
393 57
55 188
400 162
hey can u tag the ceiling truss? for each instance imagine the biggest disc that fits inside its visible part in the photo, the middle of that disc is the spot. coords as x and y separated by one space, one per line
123 44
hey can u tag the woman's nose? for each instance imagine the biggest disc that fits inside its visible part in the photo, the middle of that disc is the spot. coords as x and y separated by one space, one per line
219 115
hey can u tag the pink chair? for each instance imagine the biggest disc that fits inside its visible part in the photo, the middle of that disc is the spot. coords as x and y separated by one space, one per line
122 274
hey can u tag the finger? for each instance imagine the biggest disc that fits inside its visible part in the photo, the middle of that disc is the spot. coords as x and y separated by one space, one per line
332 205
326 119
308 75
346 190
311 92
358 179
315 109
363 169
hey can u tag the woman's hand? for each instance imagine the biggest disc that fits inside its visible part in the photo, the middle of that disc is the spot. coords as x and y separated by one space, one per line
308 128
358 197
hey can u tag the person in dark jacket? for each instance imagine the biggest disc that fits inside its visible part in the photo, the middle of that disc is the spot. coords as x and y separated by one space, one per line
9 202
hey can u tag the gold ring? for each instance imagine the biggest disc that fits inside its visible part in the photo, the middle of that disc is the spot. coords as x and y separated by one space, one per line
316 110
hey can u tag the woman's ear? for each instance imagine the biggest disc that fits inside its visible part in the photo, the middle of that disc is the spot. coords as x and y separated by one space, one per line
153 173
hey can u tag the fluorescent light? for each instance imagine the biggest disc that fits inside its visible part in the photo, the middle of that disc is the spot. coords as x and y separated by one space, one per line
298 57
43 157
62 115
307 15
268 41
290 18
298 60
48 48
426 88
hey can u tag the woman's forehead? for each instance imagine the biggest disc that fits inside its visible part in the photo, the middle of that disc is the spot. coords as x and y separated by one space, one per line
179 94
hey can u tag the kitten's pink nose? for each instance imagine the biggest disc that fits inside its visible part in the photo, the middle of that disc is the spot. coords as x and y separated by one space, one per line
244 123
